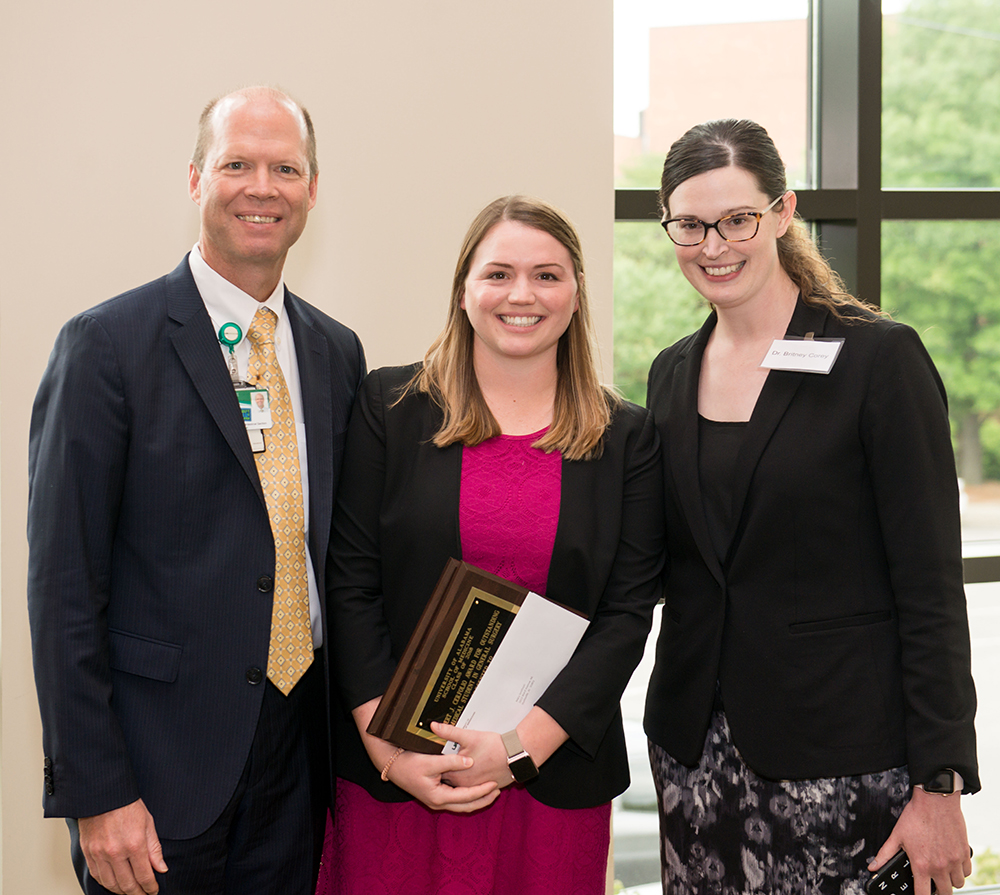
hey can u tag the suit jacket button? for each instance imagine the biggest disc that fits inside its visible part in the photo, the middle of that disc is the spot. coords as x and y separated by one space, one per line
265 584
254 675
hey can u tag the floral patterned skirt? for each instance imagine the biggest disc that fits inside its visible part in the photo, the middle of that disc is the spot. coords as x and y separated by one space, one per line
726 831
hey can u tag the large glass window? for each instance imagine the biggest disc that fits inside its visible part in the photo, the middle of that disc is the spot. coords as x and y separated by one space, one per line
654 304
942 278
675 66
890 128
679 64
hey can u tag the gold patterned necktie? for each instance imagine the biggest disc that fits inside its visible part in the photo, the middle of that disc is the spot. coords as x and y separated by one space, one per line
291 648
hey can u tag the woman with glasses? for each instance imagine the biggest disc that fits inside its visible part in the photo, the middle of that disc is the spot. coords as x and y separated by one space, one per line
504 450
811 706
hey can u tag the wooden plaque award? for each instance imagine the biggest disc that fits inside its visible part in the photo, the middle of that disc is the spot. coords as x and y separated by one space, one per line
454 641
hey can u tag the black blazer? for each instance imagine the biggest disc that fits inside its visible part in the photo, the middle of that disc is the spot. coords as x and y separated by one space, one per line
151 550
836 626
396 524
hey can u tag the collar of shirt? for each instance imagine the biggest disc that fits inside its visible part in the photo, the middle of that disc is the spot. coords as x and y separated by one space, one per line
227 303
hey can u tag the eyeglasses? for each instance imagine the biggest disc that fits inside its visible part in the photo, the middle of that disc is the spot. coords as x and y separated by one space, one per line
732 228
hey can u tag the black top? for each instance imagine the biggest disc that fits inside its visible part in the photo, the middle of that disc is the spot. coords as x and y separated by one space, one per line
719 445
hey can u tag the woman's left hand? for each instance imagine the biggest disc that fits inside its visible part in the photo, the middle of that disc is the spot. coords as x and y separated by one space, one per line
484 748
931 830
540 736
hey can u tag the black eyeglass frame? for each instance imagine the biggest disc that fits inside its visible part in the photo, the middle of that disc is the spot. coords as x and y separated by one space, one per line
740 214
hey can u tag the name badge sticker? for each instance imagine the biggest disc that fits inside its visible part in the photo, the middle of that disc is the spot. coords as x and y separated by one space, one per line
255 405
802 355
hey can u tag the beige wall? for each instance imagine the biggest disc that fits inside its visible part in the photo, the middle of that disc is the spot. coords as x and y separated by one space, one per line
424 111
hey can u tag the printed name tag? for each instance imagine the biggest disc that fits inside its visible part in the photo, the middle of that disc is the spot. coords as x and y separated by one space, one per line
802 355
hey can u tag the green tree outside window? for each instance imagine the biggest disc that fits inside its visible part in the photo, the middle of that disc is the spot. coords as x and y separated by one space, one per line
941 129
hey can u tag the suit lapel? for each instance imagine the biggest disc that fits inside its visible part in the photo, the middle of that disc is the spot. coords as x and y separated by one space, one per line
198 349
313 358
772 404
683 445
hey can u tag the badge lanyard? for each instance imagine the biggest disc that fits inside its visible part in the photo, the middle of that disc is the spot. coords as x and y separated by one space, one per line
231 335
254 402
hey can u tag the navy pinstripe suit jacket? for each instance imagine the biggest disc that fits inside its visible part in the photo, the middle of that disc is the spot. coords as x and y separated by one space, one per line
151 550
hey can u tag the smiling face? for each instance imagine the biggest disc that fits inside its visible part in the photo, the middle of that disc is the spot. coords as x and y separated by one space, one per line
254 189
520 294
730 274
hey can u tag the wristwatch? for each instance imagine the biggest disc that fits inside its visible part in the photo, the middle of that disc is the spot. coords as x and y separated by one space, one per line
520 763
944 782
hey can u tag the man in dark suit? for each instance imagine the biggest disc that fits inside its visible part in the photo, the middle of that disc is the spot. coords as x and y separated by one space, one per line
177 554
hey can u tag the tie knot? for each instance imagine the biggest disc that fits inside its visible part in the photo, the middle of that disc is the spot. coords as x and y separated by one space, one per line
262 326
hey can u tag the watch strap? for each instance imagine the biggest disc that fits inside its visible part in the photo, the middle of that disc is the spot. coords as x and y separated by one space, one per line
522 766
512 743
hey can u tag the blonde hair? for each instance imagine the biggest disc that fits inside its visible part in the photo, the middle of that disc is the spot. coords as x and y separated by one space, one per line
583 407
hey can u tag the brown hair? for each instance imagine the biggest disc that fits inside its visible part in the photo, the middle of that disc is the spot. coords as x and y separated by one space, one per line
583 407
206 124
745 144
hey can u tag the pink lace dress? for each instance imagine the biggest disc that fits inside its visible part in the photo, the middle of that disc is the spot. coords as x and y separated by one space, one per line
509 511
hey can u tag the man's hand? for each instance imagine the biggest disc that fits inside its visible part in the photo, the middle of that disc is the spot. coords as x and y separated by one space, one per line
122 850
931 830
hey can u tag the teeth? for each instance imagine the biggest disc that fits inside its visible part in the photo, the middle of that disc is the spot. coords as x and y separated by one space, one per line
722 271
257 218
520 321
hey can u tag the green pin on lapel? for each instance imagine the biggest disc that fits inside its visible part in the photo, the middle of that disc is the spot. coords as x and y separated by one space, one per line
230 334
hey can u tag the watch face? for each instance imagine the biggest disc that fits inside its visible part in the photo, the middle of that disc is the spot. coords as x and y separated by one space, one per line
523 768
943 781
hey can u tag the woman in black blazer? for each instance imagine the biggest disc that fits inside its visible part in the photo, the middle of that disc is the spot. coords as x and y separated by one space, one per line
504 450
813 661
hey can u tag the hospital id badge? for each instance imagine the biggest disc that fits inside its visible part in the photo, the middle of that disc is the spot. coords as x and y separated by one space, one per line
255 408
255 405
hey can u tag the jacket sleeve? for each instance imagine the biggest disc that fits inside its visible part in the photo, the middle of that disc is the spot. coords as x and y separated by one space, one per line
907 438
360 634
629 522
77 450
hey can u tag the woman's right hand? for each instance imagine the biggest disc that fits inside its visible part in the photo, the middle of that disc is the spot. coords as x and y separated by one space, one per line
421 775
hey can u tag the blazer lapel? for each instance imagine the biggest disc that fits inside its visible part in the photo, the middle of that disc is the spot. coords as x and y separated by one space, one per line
683 447
772 404
199 351
313 359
